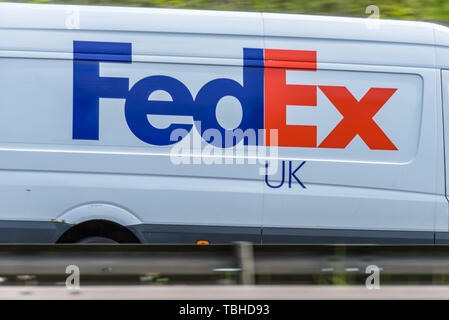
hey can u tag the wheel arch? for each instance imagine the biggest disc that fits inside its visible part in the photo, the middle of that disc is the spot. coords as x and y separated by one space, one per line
97 218
99 211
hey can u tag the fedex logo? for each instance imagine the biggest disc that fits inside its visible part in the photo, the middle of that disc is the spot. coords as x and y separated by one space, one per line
264 96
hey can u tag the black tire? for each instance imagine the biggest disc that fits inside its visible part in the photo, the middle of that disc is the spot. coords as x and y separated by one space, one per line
96 240
98 231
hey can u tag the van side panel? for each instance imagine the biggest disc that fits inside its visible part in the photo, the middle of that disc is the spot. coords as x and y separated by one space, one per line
46 173
357 188
356 107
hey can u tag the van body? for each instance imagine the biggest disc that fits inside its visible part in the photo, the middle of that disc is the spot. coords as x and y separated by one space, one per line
179 126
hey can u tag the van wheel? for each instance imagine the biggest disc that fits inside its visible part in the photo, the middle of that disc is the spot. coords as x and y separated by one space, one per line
98 231
96 240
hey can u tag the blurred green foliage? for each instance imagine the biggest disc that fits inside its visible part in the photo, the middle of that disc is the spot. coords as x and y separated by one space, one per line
395 9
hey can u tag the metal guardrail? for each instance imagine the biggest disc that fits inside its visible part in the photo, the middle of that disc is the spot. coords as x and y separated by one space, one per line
242 263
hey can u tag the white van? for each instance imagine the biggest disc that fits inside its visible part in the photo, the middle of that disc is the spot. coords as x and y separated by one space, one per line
182 126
